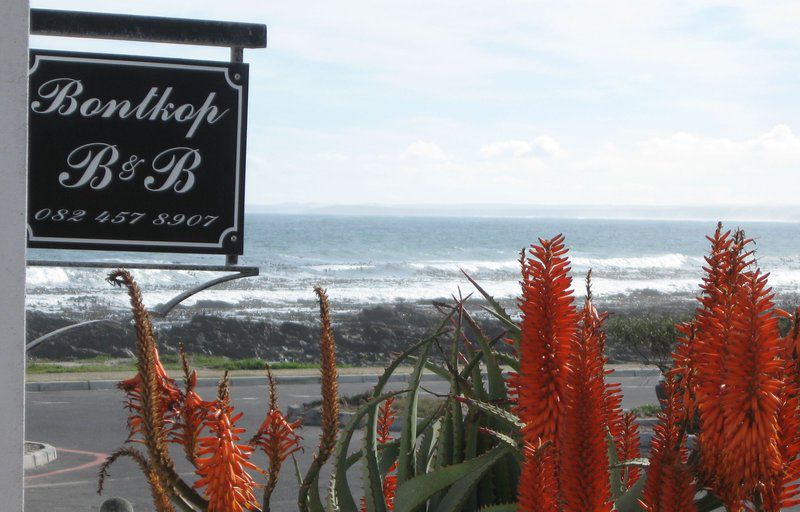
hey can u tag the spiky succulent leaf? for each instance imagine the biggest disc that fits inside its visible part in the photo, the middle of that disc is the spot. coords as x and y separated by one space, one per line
458 478
408 436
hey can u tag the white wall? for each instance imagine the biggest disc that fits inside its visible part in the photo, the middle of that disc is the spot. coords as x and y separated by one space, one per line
13 157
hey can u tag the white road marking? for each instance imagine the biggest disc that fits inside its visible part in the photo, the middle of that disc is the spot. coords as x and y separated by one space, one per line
92 482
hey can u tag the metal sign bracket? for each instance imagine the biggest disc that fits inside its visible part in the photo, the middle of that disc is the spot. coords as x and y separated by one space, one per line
236 36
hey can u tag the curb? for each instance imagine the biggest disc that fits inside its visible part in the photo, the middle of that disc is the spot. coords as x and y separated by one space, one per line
38 458
91 385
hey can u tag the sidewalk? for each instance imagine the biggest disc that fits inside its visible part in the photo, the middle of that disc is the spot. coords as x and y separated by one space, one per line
209 378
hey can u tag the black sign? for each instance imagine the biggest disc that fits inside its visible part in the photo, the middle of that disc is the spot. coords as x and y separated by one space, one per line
133 153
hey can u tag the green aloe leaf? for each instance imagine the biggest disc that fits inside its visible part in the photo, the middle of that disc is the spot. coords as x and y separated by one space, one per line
633 463
614 471
387 456
426 450
506 440
629 501
496 308
408 436
494 374
373 483
459 478
508 360
314 499
508 419
506 507
344 497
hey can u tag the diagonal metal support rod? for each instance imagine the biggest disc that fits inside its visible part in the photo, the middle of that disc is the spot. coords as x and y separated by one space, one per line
52 334
163 310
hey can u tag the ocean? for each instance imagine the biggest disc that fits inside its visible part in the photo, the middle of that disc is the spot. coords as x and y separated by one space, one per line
368 260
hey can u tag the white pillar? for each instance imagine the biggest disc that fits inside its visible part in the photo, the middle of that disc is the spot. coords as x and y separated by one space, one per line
13 164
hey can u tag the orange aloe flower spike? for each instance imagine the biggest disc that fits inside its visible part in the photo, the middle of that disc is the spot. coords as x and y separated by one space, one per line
193 413
330 399
782 493
683 370
221 464
629 447
670 486
548 325
386 417
537 489
152 397
751 404
713 330
193 410
277 439
785 493
582 467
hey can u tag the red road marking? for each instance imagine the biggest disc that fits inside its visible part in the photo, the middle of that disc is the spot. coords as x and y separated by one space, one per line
98 459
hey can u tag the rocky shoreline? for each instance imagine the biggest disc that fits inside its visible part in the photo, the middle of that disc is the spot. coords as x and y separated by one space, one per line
368 336
365 335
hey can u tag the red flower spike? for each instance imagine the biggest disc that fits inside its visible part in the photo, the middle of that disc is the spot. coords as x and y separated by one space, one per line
192 415
170 398
537 484
582 467
277 437
750 403
670 486
548 325
783 492
221 464
386 417
684 371
713 330
629 447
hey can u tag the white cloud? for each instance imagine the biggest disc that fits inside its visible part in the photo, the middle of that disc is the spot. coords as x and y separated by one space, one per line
544 146
334 157
680 168
426 151
692 168
505 148
779 146
547 146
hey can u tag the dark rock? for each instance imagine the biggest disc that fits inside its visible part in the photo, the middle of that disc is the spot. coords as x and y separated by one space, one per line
370 336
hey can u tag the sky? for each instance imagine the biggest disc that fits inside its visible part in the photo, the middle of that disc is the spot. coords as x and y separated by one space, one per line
508 102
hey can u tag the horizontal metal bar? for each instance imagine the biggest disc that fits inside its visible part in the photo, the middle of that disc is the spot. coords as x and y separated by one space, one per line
51 22
246 271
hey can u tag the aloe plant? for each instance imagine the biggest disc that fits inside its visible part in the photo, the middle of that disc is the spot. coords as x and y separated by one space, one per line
530 422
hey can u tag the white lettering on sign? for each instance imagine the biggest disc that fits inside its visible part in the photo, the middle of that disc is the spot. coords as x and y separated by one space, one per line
95 160
95 165
177 164
63 96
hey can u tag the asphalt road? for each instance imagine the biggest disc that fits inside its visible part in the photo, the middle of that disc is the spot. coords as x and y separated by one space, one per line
85 426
